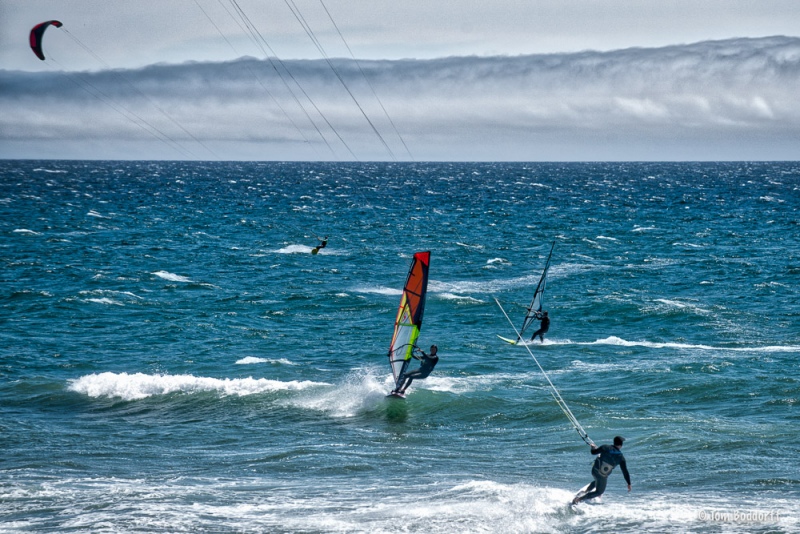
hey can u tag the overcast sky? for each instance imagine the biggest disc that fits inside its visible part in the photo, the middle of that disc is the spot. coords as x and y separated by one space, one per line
466 80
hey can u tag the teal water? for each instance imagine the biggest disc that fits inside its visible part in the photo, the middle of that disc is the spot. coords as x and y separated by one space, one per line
174 359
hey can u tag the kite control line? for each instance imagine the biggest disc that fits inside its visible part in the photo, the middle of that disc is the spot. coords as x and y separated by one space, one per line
556 395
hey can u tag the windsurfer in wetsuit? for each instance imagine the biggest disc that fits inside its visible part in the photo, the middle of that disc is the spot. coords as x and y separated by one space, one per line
543 328
323 244
610 456
427 363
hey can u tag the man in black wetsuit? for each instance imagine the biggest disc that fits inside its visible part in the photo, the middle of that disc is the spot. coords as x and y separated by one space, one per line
428 362
610 456
323 244
543 328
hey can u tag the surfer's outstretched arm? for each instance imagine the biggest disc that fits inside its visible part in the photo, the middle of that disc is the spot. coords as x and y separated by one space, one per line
624 468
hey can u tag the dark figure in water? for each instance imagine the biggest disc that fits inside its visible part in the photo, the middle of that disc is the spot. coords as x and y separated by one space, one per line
322 244
610 456
543 328
428 362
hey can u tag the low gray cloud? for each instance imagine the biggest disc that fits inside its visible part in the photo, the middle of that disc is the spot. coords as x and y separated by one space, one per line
732 99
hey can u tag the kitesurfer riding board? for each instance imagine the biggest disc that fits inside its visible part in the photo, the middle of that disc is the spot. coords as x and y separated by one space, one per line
323 243
608 457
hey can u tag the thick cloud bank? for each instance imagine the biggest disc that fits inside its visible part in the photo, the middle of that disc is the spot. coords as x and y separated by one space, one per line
716 100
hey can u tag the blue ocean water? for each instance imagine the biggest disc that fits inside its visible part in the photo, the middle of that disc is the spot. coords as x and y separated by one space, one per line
174 359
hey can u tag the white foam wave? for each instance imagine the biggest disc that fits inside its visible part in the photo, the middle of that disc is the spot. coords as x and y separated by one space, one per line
105 296
379 290
295 249
171 277
460 298
465 288
26 231
682 305
465 384
455 385
614 340
453 289
617 341
105 300
305 249
771 284
364 389
249 360
526 283
139 385
538 343
360 391
94 213
264 504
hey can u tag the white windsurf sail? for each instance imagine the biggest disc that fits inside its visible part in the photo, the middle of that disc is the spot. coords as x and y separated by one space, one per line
534 311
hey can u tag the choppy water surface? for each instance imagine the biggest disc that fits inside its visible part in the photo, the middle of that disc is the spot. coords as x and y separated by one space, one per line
174 359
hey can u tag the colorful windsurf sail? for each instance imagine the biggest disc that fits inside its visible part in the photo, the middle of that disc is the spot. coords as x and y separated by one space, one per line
534 312
409 315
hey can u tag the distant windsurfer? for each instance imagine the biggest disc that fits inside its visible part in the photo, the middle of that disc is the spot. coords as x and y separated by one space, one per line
323 243
427 363
610 456
543 328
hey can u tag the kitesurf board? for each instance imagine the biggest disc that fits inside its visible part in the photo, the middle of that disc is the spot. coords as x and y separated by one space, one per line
511 341
394 395
581 492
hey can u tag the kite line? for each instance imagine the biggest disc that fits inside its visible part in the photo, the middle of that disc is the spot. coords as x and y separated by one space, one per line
556 395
